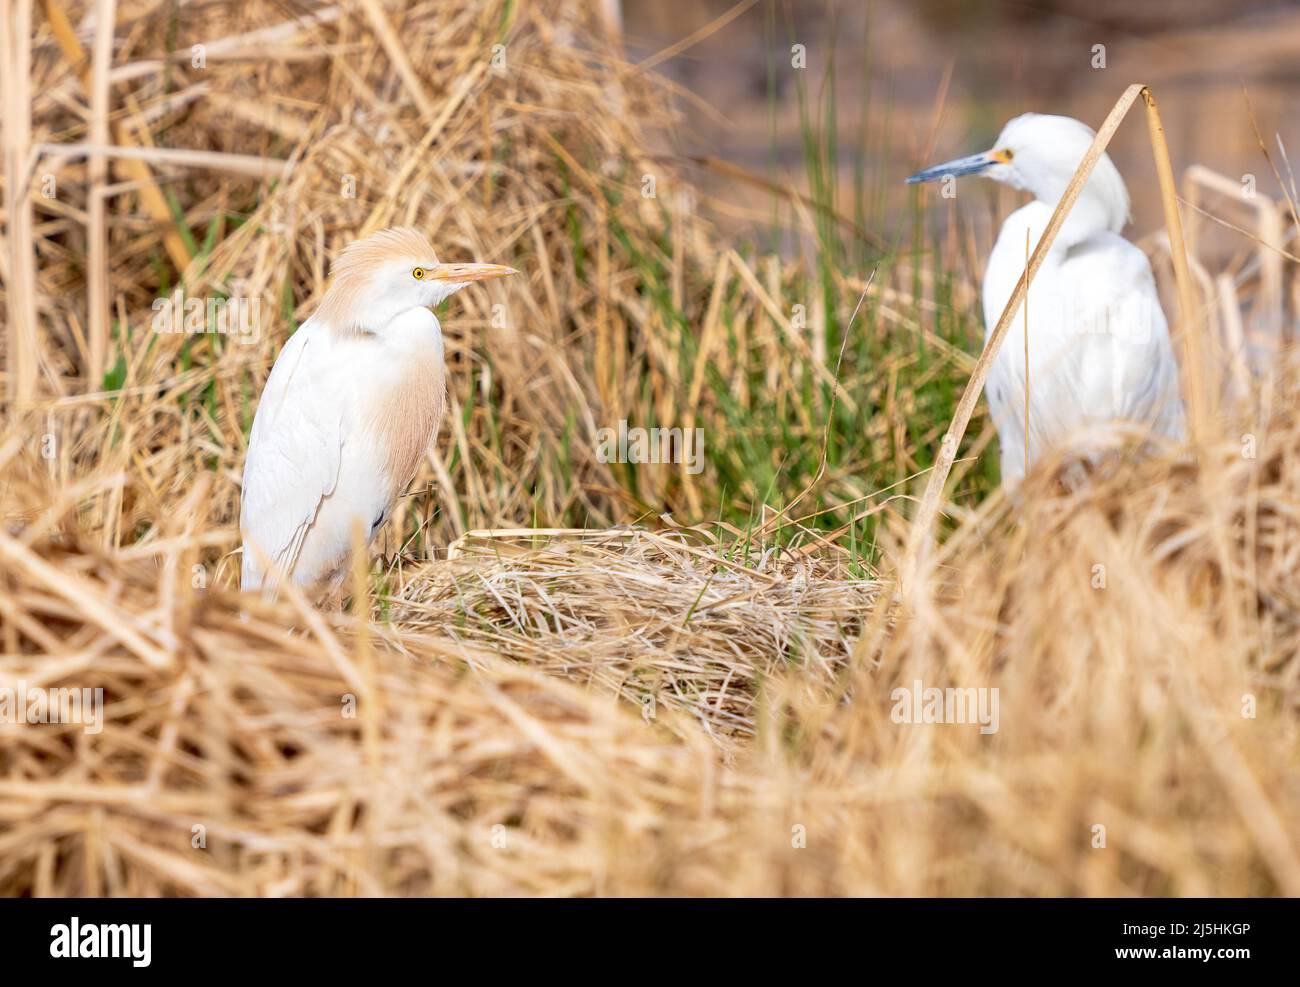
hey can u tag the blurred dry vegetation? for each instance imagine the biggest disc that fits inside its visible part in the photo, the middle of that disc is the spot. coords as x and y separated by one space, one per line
638 681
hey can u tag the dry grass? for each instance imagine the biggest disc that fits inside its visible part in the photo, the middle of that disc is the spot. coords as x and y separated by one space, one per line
637 708
488 754
676 619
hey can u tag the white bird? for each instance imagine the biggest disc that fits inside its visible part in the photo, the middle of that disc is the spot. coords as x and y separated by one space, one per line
352 404
1099 349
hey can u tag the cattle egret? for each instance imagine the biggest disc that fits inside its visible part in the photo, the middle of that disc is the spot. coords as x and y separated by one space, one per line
352 404
1098 344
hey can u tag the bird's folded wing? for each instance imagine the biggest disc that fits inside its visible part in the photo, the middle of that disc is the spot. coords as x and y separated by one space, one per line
294 451
1124 367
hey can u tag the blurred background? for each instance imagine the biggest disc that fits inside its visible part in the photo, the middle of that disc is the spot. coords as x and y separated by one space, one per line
918 82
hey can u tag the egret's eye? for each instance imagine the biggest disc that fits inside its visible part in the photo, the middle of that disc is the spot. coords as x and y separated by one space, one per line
1007 154
418 274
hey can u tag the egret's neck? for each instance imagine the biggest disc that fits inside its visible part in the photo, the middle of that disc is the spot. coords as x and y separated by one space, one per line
376 316
414 331
384 317
349 309
1088 217
1102 205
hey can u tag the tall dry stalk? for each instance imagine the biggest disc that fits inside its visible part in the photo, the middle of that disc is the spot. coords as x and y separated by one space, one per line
97 299
23 361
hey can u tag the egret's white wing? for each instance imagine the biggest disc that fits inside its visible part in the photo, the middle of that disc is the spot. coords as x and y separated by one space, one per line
1099 347
294 455
1124 366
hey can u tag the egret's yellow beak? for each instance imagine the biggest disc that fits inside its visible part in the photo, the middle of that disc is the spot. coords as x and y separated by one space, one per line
469 272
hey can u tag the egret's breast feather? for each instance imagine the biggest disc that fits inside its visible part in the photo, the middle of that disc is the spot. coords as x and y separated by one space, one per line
404 419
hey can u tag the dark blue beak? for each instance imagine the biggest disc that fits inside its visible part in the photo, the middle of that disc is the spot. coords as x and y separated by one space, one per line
971 165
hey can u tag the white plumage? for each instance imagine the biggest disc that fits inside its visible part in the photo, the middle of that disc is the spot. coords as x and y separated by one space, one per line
352 403
1100 358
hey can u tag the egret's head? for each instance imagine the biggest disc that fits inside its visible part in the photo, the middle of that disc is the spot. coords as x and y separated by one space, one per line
1039 153
390 272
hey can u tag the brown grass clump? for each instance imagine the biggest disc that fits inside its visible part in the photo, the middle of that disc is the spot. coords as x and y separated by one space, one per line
677 619
1155 697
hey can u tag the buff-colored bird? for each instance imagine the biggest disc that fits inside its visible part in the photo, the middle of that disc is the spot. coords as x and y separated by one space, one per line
352 404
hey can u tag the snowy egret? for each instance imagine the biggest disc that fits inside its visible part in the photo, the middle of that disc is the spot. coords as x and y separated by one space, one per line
353 401
1098 344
